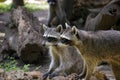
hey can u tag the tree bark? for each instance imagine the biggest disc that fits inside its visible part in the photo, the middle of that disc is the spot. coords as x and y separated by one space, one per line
74 12
107 18
24 36
17 3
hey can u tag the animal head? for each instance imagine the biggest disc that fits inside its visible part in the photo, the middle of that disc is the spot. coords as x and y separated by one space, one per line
52 2
69 36
51 36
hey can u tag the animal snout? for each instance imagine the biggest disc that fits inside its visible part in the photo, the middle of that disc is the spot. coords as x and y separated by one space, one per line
43 43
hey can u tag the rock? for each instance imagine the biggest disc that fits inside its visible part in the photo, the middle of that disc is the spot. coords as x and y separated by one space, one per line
2 74
72 76
17 75
21 75
35 74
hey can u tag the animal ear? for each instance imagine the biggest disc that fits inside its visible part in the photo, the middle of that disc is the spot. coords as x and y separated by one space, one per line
44 27
59 28
74 30
67 26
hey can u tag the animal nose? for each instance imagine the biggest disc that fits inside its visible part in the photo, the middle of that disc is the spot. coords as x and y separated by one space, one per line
56 44
43 43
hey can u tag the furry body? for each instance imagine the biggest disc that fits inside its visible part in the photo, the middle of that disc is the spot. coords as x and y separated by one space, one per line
95 47
64 59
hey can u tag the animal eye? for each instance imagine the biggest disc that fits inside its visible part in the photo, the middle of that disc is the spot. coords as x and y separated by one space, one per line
66 41
52 39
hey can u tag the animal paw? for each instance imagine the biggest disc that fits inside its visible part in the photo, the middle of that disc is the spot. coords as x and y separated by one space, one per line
45 75
99 76
53 75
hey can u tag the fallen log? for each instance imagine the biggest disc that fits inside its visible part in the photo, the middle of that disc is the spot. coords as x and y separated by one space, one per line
107 18
24 36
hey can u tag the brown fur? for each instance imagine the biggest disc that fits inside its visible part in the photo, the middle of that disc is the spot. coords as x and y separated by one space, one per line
71 60
96 47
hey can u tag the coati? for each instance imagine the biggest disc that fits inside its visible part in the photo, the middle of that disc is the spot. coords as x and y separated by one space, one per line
64 59
95 46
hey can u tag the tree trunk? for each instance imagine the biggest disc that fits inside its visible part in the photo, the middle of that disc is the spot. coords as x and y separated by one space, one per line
107 18
25 36
17 3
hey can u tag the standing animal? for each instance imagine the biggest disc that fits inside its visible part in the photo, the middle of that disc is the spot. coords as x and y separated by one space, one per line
95 47
56 13
64 59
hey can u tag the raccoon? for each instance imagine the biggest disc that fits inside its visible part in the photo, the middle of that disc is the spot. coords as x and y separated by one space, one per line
95 46
64 59
52 2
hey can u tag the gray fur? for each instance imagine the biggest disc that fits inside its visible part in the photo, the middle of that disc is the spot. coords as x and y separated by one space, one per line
67 57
